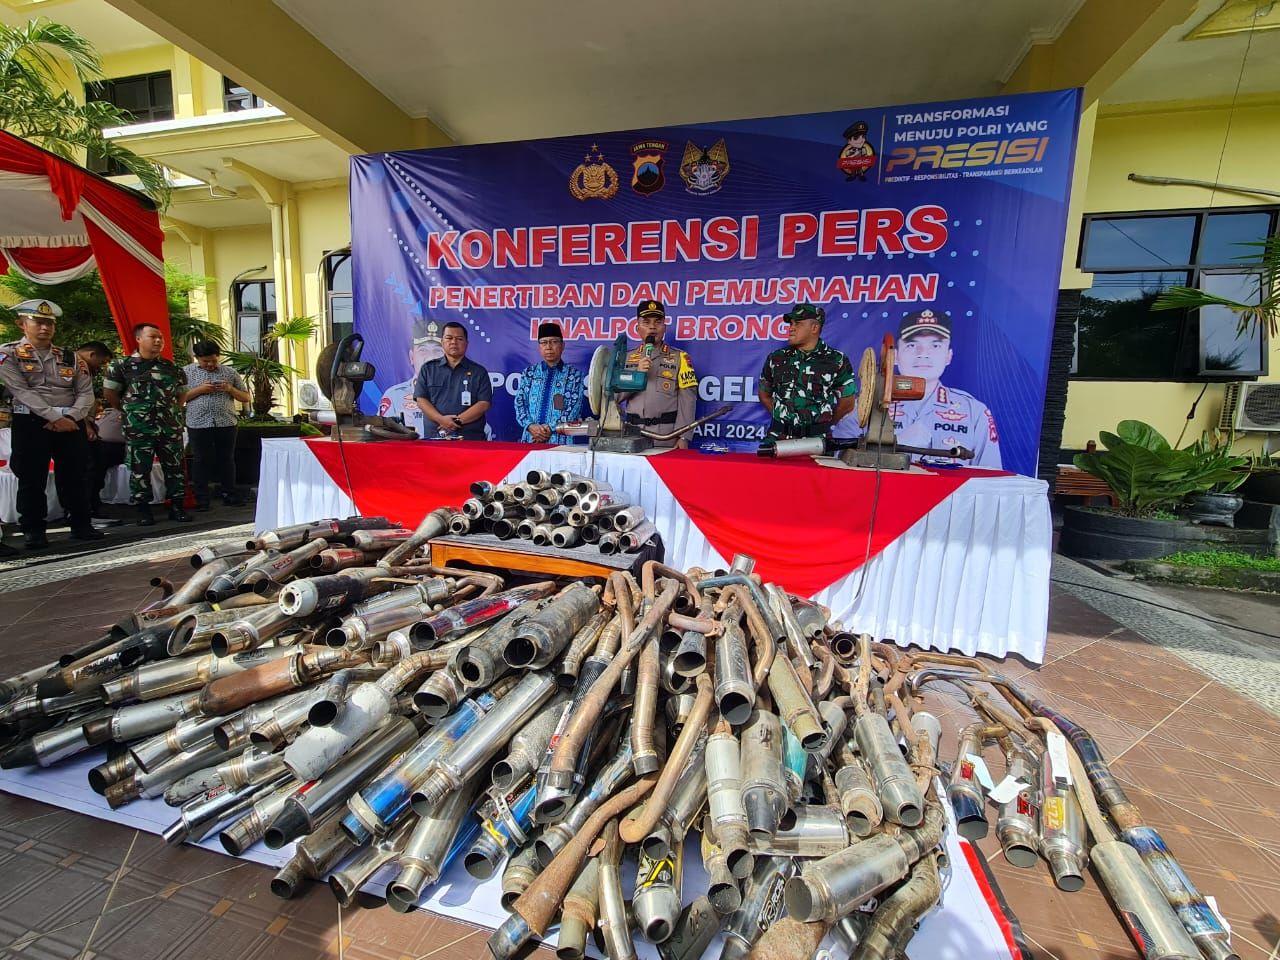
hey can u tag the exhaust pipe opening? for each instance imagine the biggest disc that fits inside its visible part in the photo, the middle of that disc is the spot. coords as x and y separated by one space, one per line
736 708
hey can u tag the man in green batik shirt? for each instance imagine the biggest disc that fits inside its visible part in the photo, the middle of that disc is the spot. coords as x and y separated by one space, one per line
148 389
806 386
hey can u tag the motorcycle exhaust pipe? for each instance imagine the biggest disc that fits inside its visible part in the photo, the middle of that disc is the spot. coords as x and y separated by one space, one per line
895 784
858 800
541 637
480 663
563 537
49 746
439 695
193 632
201 815
1062 830
313 857
722 885
687 799
280 569
250 828
528 746
206 555
628 518
470 614
249 632
120 767
483 490
155 680
483 741
432 844
252 766
302 811
1150 921
695 929
1016 827
434 524
359 633
304 597
609 544
794 706
807 830
378 541
764 792
734 692
656 900
502 511
728 816
333 559
893 925
580 648
142 719
503 825
615 928
967 795
632 540
761 907
557 836
267 680
836 885
286 538
578 914
386 797
520 871
346 883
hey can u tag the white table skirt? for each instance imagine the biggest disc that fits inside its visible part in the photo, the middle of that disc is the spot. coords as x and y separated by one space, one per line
972 575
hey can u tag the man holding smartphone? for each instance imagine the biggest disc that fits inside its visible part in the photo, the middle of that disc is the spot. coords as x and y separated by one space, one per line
211 423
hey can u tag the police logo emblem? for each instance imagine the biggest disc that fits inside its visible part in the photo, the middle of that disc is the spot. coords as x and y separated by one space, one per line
857 156
647 176
593 179
703 170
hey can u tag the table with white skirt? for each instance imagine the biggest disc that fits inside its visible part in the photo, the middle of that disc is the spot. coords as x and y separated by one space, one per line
971 575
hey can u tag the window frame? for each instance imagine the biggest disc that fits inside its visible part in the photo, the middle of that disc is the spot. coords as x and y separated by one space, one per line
1189 327
96 87
239 314
330 263
250 99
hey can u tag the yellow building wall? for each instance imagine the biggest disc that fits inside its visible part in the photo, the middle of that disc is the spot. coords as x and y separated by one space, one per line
324 224
1177 140
236 249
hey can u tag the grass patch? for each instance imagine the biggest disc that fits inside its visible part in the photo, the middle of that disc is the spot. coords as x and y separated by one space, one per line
1222 559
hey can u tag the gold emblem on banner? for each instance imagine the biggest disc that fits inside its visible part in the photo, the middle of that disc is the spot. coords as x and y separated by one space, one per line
703 170
593 178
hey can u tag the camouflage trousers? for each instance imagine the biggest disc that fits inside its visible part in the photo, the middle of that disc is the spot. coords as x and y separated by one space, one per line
139 453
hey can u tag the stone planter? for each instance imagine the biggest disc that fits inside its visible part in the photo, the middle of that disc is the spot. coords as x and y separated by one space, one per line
1223 578
1098 535
1215 509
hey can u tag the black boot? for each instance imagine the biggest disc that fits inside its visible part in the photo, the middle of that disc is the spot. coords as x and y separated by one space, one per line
87 532
36 540
177 514
145 519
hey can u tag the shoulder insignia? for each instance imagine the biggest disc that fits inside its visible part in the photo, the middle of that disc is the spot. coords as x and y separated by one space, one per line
686 377
942 394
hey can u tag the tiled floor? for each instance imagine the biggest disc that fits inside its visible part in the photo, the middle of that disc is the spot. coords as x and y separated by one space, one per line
1201 762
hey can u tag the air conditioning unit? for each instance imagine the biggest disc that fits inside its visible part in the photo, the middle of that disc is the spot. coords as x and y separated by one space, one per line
1230 400
1258 408
311 398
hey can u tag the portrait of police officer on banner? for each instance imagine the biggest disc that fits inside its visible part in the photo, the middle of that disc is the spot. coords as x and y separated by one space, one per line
946 416
397 400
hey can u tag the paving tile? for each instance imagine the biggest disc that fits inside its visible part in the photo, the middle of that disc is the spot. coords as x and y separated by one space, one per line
379 933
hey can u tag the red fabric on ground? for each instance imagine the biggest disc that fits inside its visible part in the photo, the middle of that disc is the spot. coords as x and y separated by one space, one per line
393 478
805 525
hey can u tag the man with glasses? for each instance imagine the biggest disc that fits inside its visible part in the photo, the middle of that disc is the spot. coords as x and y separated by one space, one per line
807 385
670 395
550 391
453 392
52 393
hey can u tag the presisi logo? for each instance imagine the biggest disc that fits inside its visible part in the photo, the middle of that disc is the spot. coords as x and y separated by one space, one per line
980 153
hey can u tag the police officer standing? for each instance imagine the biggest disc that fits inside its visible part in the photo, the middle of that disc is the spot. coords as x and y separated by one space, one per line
148 389
807 385
52 394
670 394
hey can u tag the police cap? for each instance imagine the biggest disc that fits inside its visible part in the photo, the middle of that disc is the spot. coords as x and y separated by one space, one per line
856 129
805 311
426 331
650 308
38 308
925 321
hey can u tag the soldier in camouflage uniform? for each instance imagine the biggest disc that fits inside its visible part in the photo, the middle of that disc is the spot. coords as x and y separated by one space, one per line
806 386
148 389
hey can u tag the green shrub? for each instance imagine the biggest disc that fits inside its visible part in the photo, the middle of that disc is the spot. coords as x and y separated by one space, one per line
1219 559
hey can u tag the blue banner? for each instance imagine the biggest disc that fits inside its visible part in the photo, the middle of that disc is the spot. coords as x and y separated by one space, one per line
957 210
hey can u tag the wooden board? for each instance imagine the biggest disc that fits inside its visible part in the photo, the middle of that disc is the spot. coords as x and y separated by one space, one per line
486 550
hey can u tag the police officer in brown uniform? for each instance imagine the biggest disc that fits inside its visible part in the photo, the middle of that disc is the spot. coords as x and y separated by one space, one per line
670 395
52 393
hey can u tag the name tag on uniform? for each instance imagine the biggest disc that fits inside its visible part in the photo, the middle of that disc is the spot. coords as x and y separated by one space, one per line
466 398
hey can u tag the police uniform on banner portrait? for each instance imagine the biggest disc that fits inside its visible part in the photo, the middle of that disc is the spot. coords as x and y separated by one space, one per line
670 395
52 396
397 400
945 416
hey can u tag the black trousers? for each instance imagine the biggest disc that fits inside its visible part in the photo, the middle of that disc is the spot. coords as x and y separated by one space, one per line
33 448
103 456
213 457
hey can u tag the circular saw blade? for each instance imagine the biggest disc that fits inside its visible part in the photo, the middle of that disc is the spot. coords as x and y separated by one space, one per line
868 386
597 374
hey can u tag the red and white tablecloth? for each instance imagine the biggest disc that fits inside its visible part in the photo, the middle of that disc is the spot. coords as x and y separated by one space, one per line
954 559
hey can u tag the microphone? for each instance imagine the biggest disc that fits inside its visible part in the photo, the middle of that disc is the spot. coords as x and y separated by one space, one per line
649 343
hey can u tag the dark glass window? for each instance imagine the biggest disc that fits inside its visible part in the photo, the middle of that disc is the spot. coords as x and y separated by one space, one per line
1133 259
255 307
340 315
237 97
144 98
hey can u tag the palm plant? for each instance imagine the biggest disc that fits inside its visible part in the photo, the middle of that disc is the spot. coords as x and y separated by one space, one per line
1264 313
264 373
34 105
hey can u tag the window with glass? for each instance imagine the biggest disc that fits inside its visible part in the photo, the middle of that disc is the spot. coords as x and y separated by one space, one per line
340 313
1136 257
237 97
145 98
255 308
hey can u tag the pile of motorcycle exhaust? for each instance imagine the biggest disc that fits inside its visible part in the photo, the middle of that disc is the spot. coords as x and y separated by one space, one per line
558 509
326 684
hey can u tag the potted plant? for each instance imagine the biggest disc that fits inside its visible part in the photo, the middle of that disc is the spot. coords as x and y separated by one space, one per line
1217 505
264 375
1263 483
1150 478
